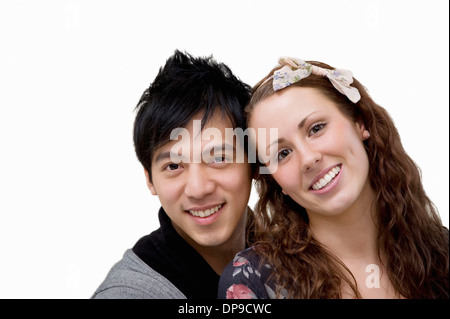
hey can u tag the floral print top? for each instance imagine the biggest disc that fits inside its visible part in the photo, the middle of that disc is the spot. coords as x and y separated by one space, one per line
246 277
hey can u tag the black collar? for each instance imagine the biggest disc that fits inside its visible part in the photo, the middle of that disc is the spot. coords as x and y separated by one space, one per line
166 252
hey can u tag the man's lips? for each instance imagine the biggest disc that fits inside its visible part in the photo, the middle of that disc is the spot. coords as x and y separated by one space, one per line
204 211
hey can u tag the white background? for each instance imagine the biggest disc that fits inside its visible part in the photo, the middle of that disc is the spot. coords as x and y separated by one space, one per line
73 196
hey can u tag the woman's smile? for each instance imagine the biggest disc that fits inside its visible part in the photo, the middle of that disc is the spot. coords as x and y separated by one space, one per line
321 150
327 181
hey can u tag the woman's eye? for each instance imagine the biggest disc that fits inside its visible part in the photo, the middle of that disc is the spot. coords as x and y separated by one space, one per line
282 154
316 128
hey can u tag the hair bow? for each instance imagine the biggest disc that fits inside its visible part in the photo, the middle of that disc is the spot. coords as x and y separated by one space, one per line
295 69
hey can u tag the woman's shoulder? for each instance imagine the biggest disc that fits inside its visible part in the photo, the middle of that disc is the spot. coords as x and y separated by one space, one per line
250 257
248 253
246 276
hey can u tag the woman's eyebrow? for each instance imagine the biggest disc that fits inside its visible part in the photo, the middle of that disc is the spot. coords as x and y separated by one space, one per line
277 141
299 126
302 122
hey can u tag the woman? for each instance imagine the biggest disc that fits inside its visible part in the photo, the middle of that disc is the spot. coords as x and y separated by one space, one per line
343 214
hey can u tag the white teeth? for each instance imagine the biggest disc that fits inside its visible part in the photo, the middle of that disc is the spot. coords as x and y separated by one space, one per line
327 178
205 213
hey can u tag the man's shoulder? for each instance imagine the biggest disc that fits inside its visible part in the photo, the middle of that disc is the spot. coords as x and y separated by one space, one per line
131 278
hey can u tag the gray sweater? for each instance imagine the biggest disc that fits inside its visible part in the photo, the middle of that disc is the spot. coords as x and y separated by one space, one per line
131 278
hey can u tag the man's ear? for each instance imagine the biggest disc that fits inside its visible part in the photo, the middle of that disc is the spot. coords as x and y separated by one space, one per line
149 183
255 172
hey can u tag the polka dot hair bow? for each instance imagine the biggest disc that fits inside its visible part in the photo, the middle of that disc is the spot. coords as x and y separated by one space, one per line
294 70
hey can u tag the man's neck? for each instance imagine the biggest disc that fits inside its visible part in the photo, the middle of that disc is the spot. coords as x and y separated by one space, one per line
219 256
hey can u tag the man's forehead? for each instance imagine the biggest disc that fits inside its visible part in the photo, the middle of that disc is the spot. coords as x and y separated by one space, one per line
217 120
209 136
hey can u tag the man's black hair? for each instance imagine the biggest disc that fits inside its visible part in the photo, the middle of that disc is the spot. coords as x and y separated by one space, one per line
183 88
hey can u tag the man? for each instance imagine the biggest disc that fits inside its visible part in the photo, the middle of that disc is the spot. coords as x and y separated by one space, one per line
182 138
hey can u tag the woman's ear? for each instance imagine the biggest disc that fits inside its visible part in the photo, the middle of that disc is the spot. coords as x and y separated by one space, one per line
361 127
150 185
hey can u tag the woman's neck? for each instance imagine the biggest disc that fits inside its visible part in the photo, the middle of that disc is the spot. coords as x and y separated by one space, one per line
351 235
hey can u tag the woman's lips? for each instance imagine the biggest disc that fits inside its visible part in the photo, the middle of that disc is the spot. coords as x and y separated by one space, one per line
326 180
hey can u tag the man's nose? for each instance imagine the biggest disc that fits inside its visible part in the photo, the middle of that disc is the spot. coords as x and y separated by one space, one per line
198 182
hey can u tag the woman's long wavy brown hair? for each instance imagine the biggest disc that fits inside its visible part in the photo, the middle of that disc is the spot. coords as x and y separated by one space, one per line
411 237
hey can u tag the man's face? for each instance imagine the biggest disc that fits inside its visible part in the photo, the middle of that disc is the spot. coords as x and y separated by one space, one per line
204 195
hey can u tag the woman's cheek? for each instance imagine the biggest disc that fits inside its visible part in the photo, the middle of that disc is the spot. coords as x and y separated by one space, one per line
284 177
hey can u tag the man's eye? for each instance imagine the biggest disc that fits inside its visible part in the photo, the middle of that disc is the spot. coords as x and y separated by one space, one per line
172 167
218 159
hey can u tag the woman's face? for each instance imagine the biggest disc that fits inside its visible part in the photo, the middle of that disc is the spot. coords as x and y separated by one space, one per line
322 162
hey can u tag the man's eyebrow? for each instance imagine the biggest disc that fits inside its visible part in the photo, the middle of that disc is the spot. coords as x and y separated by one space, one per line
223 147
162 156
207 151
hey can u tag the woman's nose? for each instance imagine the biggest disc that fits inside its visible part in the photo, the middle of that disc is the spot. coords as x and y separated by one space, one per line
309 157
